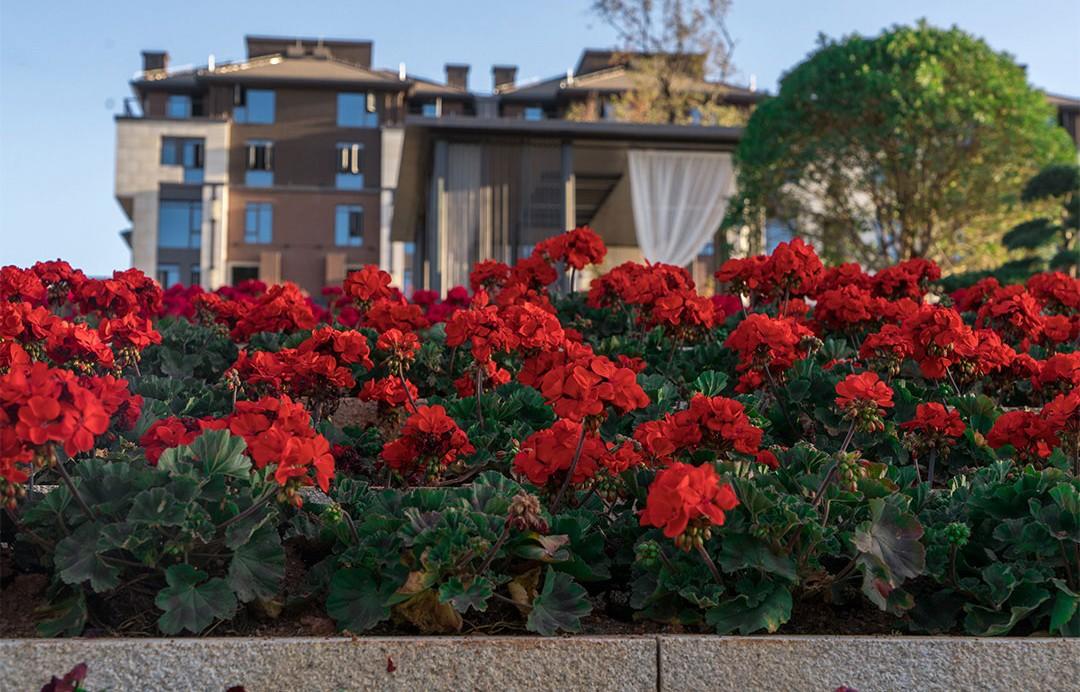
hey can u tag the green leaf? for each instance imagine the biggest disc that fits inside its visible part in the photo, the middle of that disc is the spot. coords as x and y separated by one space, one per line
191 602
986 622
157 507
222 453
710 383
742 551
65 617
1065 613
358 600
890 551
78 560
559 606
463 597
738 614
257 567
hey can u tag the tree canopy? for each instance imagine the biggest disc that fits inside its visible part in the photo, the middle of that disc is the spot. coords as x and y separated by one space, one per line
913 143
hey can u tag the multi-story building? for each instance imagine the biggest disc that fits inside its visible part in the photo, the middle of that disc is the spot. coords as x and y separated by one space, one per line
285 166
303 161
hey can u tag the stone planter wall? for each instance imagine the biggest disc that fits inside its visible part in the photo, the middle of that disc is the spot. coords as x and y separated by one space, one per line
529 663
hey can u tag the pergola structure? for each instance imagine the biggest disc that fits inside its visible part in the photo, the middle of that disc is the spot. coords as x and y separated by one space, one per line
472 189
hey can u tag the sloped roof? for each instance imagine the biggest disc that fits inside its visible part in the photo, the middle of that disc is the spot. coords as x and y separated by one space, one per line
614 79
275 69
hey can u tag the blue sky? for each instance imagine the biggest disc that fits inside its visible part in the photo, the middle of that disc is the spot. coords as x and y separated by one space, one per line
65 66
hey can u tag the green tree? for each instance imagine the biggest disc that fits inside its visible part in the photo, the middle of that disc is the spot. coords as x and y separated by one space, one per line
1057 234
909 144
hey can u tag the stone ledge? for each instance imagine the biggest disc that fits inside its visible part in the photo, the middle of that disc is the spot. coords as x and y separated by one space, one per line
868 663
533 663
311 664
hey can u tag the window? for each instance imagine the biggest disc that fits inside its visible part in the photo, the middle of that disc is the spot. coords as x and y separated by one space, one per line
180 151
350 172
196 275
260 163
534 113
357 110
431 109
709 250
253 106
242 273
258 223
168 274
349 225
178 106
179 223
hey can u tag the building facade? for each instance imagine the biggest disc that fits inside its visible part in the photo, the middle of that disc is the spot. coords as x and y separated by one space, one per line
285 166
303 161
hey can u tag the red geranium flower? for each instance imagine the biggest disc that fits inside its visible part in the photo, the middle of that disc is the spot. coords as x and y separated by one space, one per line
865 387
1031 435
681 493
429 441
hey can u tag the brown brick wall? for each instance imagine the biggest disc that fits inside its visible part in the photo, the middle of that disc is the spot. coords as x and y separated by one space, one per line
303 231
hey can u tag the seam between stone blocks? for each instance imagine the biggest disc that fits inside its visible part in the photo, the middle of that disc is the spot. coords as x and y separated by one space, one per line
659 666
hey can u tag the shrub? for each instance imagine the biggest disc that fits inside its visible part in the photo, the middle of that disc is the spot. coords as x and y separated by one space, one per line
811 439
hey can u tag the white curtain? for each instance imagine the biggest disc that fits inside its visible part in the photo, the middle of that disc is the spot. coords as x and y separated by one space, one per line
679 200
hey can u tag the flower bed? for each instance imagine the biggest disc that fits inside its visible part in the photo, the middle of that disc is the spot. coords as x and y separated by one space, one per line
811 450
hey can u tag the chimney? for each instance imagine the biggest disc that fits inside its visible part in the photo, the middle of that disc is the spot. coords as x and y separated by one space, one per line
504 75
457 76
154 60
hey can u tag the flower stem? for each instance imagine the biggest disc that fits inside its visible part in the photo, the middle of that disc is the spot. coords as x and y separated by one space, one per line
479 392
710 564
569 472
405 386
493 550
266 497
930 468
70 483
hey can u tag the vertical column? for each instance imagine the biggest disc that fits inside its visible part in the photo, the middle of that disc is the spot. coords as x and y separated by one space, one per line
569 196
569 184
435 247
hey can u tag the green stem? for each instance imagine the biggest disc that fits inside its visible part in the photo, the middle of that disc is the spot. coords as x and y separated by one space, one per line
569 472
256 506
70 483
710 564
493 551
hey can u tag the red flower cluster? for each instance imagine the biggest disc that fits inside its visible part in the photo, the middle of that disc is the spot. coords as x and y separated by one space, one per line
767 347
281 308
548 452
681 494
40 405
167 433
908 279
716 423
388 392
582 384
577 248
315 368
1059 293
278 433
430 441
939 340
1030 434
1058 373
1012 312
862 389
934 419
793 269
400 347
